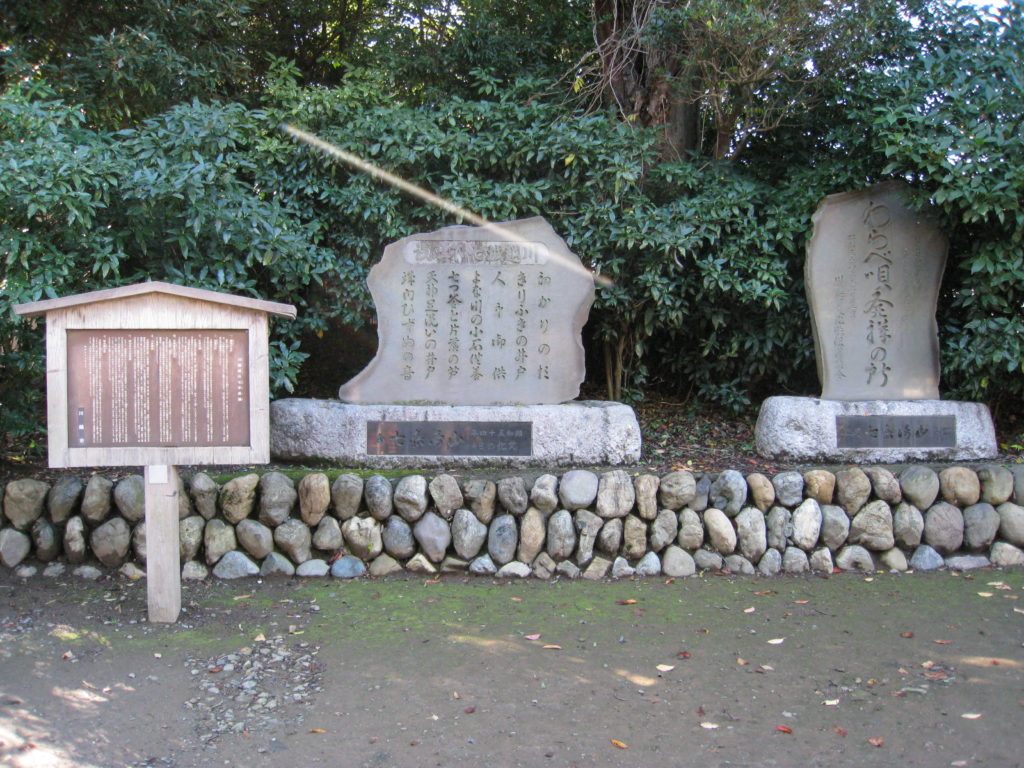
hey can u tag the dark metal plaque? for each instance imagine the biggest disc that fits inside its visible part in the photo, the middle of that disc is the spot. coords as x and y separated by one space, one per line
449 438
158 388
896 431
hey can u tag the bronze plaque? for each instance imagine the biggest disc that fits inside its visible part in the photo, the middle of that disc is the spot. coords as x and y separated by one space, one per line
896 431
158 388
449 438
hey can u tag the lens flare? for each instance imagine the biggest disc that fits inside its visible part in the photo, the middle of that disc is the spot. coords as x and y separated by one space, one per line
408 187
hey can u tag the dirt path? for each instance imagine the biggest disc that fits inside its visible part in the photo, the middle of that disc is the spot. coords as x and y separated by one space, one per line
754 672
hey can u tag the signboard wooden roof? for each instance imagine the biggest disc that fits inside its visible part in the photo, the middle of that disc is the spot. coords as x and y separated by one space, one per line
34 308
157 374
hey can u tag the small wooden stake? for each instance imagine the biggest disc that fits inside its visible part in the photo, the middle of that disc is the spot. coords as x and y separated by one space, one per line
163 568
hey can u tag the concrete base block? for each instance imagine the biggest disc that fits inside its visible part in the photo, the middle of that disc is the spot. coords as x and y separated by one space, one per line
579 433
884 431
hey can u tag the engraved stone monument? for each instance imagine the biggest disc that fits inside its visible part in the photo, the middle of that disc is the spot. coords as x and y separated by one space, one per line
480 350
157 375
873 272
475 316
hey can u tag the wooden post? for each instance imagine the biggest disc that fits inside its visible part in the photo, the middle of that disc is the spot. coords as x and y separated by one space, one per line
163 567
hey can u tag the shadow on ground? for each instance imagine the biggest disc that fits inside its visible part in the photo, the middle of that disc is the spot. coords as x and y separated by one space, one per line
850 670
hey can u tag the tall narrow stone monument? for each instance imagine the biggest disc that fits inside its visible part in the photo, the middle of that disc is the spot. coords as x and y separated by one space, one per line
479 355
873 273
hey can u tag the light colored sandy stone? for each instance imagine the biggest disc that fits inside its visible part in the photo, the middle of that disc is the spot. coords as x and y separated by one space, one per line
870 250
583 432
479 267
721 534
804 429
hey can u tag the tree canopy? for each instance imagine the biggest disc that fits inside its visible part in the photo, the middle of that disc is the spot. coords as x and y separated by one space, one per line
680 146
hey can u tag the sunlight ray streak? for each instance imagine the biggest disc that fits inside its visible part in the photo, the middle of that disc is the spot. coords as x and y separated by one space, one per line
408 187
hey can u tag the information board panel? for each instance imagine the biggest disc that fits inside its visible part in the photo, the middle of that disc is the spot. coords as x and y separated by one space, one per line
449 438
130 388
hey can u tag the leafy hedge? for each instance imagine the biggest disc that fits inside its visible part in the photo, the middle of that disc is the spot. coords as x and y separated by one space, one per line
706 257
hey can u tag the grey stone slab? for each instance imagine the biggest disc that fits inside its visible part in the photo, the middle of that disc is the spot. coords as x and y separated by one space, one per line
804 429
587 432
873 272
477 316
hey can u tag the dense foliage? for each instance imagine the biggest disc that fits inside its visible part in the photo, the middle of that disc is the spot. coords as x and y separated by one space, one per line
184 175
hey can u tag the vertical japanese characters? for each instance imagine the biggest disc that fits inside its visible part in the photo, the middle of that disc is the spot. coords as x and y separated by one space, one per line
879 306
459 294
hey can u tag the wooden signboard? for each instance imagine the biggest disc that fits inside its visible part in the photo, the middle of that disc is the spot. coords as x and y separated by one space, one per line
157 375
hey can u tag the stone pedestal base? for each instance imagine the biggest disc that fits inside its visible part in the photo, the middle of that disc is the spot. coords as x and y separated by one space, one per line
874 431
578 433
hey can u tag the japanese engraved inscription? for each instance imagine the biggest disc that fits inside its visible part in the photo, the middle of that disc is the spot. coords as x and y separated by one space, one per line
873 272
477 316
158 388
449 438
879 431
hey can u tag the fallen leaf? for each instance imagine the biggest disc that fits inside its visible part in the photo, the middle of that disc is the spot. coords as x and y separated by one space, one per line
907 635
869 578
455 695
317 730
765 592
158 655
684 654
242 597
971 715
469 710
831 702
260 638
767 668
709 726
620 744
1018 610
840 731
670 581
215 670
783 729
986 594
631 601
742 662
942 642
552 648
517 599
751 609
928 664
533 637
801 602
703 631
665 667
876 741
777 641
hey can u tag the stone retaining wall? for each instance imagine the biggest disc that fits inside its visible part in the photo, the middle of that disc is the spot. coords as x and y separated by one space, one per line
580 524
